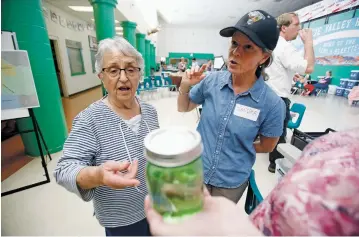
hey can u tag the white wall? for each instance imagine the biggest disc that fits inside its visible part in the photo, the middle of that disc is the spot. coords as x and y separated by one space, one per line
72 84
191 40
142 12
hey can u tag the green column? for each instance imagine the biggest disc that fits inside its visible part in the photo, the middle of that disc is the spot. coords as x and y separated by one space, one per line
140 45
129 32
104 15
154 57
25 18
151 55
147 57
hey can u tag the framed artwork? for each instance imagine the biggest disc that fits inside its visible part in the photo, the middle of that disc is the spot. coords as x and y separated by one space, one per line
92 42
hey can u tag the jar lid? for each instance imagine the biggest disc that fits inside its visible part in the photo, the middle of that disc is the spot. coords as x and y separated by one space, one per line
173 146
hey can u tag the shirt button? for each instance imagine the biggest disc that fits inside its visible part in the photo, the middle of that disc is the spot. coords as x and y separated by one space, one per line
220 135
225 119
213 167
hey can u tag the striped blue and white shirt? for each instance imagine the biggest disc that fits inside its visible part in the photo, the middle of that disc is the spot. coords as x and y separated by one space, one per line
95 138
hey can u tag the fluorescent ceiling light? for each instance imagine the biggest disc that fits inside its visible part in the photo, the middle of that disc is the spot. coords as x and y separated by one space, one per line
116 21
81 8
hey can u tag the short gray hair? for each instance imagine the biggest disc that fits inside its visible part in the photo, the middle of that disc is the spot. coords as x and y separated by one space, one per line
117 44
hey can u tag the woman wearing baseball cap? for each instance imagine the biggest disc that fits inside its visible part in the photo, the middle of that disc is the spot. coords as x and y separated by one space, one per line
237 106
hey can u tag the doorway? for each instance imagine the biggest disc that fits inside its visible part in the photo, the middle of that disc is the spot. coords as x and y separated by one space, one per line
55 50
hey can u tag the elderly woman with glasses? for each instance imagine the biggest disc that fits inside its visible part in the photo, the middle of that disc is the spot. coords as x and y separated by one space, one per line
237 106
103 158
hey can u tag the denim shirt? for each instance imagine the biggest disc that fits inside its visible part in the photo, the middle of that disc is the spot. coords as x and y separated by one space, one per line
229 124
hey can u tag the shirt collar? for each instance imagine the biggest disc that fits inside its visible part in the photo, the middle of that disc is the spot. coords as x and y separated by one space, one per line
255 91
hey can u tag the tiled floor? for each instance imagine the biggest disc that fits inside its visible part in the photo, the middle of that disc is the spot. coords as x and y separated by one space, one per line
51 210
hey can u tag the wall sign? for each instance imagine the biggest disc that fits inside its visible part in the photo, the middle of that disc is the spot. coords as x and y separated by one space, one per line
54 17
336 43
325 7
62 21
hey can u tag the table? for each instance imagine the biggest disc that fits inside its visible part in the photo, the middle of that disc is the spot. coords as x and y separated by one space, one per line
170 70
176 80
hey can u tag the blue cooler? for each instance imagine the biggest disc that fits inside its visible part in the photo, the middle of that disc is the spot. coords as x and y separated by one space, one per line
339 91
352 83
346 92
344 82
354 75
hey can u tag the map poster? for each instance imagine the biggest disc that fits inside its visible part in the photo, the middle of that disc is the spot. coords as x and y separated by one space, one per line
336 43
18 89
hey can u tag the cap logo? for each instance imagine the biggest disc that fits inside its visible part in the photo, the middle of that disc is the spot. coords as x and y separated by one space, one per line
255 16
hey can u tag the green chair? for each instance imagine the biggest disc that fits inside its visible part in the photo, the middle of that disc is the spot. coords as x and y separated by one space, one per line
298 109
254 197
146 86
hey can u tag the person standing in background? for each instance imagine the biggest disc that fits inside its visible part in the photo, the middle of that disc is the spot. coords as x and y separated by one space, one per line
286 63
182 65
210 67
195 66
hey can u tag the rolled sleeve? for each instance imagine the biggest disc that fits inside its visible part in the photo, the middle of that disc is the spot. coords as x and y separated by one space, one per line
292 60
79 152
196 94
272 125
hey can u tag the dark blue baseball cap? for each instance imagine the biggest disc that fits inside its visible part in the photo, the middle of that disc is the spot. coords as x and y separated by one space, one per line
259 26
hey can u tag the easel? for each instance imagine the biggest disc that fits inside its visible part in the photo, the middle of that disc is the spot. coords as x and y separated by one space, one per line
39 136
9 42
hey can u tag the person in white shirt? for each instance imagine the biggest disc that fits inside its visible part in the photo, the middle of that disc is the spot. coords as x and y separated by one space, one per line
286 63
195 66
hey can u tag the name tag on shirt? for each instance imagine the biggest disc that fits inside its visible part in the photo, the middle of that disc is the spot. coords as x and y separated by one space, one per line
246 112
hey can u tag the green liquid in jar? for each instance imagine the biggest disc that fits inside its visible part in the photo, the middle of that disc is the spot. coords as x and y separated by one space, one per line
176 192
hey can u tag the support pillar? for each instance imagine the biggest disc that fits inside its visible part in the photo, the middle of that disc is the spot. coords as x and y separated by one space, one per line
154 57
129 32
25 18
140 45
104 15
147 59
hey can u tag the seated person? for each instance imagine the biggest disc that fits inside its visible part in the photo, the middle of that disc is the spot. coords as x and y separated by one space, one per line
163 66
300 82
322 84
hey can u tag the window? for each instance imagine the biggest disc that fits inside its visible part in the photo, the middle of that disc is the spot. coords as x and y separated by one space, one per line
74 53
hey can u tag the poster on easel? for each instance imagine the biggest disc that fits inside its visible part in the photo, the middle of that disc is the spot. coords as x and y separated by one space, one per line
18 89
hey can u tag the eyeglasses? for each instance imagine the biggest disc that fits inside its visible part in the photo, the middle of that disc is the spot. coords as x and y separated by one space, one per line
115 72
